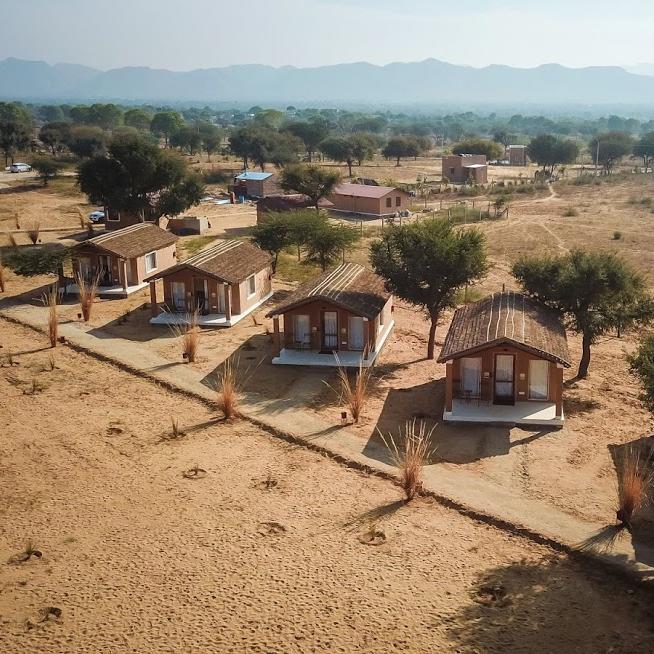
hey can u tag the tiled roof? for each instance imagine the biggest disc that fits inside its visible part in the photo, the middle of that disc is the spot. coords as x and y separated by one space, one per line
364 190
507 318
231 261
133 241
350 286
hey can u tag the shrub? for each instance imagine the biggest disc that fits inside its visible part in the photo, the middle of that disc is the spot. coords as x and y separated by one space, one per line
228 391
634 478
617 236
216 176
49 299
189 332
87 294
411 455
570 212
3 277
353 394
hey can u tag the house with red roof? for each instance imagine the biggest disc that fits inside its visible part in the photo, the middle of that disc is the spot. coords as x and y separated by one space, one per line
368 200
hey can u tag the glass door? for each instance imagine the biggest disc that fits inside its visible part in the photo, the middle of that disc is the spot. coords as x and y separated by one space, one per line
504 379
330 330
178 294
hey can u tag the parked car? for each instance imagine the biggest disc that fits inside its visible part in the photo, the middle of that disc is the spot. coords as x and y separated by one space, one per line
96 217
20 168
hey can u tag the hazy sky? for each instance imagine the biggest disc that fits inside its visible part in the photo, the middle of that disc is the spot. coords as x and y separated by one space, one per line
187 34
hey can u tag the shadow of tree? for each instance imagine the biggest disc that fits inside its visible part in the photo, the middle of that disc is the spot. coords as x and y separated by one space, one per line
543 607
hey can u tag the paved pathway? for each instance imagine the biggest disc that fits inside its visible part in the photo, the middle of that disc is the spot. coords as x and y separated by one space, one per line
465 490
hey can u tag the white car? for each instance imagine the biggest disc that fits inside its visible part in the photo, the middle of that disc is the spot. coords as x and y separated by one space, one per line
20 168
96 216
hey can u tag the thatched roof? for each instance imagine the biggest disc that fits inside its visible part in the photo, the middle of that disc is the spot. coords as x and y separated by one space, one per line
132 241
230 261
349 286
510 318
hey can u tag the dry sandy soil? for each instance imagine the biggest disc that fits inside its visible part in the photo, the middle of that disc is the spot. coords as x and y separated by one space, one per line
263 554
572 468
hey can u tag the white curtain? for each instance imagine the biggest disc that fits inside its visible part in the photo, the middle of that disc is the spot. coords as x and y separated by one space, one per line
539 371
504 375
302 330
330 319
356 333
471 375
178 292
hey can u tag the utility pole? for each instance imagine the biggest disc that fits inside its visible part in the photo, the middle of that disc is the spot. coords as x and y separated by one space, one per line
597 159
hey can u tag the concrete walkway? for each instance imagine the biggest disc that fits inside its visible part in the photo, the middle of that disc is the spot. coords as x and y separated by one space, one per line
462 489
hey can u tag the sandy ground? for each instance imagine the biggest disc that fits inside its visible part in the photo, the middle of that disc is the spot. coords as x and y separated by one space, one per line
263 554
572 468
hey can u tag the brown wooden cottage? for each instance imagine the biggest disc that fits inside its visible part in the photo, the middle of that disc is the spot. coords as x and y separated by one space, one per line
123 258
504 358
224 283
346 311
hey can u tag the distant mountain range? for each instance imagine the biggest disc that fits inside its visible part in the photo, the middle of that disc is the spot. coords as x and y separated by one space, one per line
641 69
429 82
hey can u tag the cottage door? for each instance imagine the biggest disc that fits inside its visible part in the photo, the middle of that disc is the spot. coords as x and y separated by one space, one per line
221 298
356 333
329 331
471 377
200 292
105 270
178 294
302 331
539 373
504 386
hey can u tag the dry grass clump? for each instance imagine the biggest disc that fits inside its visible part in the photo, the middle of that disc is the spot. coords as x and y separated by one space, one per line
175 430
635 484
11 239
49 299
410 455
33 232
3 277
570 212
189 332
87 294
353 393
228 391
28 552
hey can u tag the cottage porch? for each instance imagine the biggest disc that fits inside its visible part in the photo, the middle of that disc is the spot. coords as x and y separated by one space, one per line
113 291
520 413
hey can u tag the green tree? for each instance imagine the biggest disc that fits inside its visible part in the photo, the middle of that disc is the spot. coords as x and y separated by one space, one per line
138 119
275 234
503 136
609 147
87 141
186 138
479 146
311 133
364 147
339 149
587 288
138 177
644 148
641 364
328 243
39 260
314 181
166 123
47 168
399 147
15 128
549 152
55 136
212 138
427 262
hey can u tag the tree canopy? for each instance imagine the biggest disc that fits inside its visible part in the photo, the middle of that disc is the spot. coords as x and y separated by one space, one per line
314 181
427 262
479 146
641 364
608 148
139 177
46 167
644 148
166 123
549 152
311 133
596 292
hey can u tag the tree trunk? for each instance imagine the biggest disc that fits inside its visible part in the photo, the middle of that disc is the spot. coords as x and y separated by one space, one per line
349 166
582 373
432 336
397 162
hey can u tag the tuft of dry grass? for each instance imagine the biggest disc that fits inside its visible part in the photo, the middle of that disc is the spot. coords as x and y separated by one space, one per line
410 455
353 393
28 552
228 391
635 483
49 299
189 332
175 430
13 243
34 232
87 294
3 277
